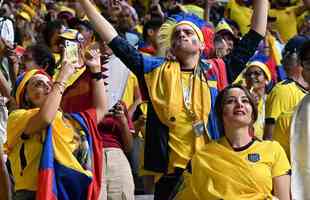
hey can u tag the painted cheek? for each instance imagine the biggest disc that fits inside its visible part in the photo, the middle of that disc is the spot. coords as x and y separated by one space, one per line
194 42
36 96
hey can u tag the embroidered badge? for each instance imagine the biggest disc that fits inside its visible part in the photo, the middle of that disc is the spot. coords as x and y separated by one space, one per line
253 157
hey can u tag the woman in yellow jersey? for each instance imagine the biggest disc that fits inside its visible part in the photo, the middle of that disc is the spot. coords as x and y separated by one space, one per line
238 166
38 129
257 77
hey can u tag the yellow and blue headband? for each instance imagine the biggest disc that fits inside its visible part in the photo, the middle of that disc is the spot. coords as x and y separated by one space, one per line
21 82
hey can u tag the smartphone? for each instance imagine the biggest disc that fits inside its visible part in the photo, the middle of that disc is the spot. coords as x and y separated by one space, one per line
72 51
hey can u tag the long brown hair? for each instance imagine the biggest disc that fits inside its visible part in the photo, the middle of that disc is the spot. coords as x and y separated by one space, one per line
219 105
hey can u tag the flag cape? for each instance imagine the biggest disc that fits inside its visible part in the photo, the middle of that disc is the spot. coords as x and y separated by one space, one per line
60 180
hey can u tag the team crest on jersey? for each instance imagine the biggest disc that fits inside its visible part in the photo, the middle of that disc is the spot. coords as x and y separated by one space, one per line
253 157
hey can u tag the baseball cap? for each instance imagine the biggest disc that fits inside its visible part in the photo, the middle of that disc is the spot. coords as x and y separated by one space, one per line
294 44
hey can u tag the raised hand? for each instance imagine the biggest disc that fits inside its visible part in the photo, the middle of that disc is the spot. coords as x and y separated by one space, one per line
93 61
67 69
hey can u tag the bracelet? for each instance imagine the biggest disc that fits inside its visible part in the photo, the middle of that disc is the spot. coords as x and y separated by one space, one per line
60 87
97 76
63 84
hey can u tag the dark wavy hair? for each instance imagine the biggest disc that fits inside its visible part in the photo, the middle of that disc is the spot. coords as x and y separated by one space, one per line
43 57
220 100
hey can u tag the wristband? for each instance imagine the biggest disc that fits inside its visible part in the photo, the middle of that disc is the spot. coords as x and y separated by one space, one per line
97 76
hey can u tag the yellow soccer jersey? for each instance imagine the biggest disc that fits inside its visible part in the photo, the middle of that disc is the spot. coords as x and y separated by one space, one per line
129 92
266 160
285 17
183 145
260 122
283 97
271 161
281 132
233 12
25 155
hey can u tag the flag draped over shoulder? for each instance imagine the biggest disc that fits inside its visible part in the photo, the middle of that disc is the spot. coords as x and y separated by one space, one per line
61 176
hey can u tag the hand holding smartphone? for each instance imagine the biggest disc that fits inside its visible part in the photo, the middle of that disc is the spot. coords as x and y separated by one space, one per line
72 51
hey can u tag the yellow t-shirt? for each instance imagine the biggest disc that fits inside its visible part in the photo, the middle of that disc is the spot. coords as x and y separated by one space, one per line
269 161
244 19
260 122
283 97
281 132
273 161
286 22
25 155
182 144
129 92
301 19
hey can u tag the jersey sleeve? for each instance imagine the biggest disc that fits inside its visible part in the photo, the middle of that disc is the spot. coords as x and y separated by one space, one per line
281 165
281 132
275 103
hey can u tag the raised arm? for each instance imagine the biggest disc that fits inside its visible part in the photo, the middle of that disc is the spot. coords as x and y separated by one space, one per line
131 57
207 9
99 94
259 17
245 49
49 108
102 26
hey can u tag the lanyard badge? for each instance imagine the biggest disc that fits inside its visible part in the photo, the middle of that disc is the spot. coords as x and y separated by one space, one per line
199 126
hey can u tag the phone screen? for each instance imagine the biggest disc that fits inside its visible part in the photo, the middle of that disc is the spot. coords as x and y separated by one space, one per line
72 51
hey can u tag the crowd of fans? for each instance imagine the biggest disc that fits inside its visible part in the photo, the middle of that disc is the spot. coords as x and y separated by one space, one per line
190 99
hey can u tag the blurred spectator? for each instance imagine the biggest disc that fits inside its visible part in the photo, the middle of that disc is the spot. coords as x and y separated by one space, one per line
224 31
257 77
299 135
38 56
150 33
52 39
278 101
233 10
5 189
285 14
85 28
7 29
116 131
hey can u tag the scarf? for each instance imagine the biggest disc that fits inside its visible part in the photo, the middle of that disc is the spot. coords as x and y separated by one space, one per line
166 93
165 90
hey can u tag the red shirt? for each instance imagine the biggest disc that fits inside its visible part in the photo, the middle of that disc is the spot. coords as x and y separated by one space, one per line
111 129
78 96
